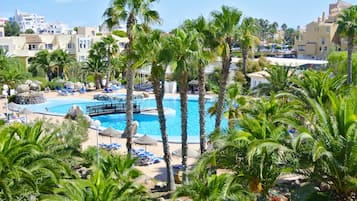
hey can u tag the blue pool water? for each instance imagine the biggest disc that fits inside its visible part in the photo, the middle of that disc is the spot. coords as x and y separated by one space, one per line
148 124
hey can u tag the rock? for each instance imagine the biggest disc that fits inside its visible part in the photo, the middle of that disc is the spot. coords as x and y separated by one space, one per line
30 98
22 88
35 87
74 112
77 86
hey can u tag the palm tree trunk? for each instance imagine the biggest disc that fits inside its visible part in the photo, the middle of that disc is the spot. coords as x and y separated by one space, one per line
244 62
349 60
183 102
165 145
108 73
222 90
202 110
129 107
129 84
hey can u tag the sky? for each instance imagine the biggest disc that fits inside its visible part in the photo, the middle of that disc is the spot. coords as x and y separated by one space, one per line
172 12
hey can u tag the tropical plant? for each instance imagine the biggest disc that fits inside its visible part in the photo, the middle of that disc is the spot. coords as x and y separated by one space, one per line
331 142
13 72
96 63
213 188
130 11
61 60
113 180
347 26
28 169
111 46
225 25
41 64
260 150
278 80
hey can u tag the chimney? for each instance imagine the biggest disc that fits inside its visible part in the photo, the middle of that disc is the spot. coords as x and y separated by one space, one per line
318 20
323 17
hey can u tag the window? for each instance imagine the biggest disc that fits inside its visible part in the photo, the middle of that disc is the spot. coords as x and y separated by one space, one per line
1 34
32 47
327 29
49 46
301 47
323 41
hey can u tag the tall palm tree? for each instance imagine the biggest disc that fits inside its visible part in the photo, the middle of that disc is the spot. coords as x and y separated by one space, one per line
225 25
154 47
185 52
130 11
246 40
205 54
112 48
347 26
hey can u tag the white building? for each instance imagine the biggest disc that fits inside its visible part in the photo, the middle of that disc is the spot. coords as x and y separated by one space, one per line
38 24
30 21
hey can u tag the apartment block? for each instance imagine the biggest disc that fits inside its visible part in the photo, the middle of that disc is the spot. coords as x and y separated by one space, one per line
78 45
319 37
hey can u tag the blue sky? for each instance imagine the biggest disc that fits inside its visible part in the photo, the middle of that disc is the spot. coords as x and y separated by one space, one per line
172 12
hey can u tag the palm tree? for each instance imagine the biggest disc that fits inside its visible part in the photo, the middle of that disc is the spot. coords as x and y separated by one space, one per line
246 40
185 52
205 54
260 149
42 63
225 25
61 60
214 188
113 180
347 26
96 62
279 80
112 48
13 73
130 11
27 168
331 142
158 52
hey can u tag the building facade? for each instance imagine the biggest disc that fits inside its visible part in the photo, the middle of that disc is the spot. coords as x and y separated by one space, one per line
77 45
38 24
320 37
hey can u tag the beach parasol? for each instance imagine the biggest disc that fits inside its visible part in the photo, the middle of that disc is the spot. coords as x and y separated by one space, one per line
145 140
25 111
190 153
110 132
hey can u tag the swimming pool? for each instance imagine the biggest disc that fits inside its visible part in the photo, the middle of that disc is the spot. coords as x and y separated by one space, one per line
148 124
